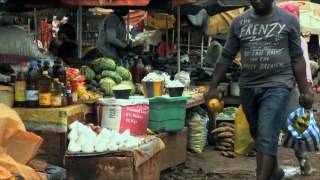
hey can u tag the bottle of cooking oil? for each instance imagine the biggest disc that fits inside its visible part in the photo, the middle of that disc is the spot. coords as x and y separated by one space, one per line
45 90
64 98
32 89
20 85
56 93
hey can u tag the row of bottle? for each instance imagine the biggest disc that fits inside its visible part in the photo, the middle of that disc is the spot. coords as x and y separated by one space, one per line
34 86
136 68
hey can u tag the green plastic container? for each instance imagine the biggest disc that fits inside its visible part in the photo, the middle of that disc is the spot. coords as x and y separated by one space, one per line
167 112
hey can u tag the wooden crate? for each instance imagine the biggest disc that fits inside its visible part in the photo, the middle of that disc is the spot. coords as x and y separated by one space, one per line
54 144
115 166
175 151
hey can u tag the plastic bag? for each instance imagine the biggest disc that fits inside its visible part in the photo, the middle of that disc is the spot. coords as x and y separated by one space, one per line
197 121
309 140
243 141
183 77
17 146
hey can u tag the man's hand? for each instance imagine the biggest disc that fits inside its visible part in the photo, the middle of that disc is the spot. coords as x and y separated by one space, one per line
306 99
211 94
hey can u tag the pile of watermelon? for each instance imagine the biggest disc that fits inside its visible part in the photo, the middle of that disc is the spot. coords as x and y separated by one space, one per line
103 74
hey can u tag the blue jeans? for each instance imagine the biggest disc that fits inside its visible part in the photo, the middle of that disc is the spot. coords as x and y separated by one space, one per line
264 109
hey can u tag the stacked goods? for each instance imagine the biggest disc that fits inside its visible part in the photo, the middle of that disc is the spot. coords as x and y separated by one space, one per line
90 138
104 74
225 141
76 83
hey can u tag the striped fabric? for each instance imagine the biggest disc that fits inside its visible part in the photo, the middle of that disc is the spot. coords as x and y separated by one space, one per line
309 140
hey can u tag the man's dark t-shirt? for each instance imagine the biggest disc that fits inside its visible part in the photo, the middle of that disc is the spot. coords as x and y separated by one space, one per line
268 48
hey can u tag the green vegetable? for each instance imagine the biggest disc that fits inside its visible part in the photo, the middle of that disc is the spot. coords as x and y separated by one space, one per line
89 87
124 73
111 74
129 83
97 77
87 72
101 64
107 85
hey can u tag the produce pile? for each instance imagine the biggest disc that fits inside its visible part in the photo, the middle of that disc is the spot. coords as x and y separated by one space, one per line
90 138
227 113
103 74
225 139
300 124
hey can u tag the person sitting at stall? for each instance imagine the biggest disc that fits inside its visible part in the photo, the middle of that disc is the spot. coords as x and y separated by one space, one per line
162 47
112 35
64 46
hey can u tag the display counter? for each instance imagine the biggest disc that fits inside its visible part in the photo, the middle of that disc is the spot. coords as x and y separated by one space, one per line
53 119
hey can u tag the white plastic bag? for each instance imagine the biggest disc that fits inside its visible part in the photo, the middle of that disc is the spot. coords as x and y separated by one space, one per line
183 77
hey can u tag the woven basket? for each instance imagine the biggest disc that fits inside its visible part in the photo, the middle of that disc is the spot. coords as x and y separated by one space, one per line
7 95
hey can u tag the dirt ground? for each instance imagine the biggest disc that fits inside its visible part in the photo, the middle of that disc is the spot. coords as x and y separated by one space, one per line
210 164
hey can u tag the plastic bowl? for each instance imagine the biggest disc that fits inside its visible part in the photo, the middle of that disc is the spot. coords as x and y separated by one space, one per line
122 94
175 91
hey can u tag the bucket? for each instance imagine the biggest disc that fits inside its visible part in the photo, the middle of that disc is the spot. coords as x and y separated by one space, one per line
152 89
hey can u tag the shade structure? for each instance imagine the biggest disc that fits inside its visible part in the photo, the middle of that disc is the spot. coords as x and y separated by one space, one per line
106 2
309 16
220 23
212 7
136 16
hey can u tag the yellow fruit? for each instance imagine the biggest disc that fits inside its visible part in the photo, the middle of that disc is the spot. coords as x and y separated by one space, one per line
202 89
215 105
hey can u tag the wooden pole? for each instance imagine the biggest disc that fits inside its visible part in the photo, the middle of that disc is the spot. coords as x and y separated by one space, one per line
79 31
128 27
178 40
167 38
189 42
202 39
35 25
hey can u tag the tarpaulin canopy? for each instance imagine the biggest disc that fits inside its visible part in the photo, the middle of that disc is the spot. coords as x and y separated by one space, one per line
75 3
165 6
217 24
309 16
106 2
220 23
212 7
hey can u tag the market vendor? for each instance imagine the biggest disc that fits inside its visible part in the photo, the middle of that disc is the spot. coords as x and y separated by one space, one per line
112 35
64 46
162 47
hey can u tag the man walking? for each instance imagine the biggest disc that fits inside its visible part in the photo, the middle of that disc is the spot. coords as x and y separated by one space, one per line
268 38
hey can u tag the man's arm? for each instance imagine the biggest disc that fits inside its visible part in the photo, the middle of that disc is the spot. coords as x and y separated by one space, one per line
228 54
112 38
299 72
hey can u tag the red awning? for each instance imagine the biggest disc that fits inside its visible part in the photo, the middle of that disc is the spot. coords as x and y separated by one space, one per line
106 2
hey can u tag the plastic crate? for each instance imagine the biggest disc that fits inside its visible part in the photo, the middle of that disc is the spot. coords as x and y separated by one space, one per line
167 112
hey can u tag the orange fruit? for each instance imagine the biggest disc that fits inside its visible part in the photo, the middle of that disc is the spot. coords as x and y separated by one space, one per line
202 89
215 105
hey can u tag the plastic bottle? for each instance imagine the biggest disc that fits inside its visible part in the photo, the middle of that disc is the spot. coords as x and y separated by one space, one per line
126 64
69 94
32 89
56 93
45 90
64 98
20 85
60 72
39 64
137 70
46 67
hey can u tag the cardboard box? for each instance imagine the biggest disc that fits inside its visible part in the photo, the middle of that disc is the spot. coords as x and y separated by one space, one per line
112 166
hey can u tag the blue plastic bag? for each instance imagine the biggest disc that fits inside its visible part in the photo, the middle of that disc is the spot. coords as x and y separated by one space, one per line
309 140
